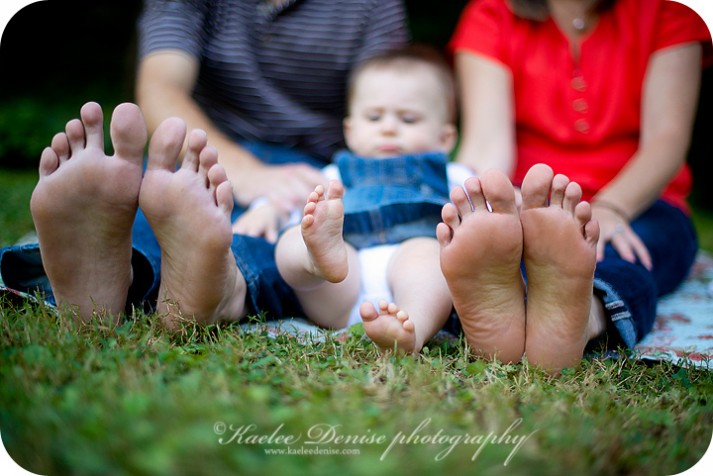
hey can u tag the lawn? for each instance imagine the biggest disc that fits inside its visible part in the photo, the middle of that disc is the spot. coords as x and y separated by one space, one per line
135 399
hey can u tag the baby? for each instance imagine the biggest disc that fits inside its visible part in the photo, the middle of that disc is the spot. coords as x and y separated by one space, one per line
372 229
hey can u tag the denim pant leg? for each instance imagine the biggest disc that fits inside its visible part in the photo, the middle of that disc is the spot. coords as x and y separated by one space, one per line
267 292
21 269
628 290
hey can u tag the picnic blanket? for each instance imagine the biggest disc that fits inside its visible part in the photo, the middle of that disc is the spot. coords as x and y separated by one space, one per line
682 333
683 330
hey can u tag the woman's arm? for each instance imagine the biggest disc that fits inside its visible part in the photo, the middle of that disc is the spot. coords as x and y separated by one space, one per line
670 96
487 114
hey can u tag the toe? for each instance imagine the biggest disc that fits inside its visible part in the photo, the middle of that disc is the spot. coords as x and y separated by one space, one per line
197 140
460 200
335 190
74 131
572 196
591 232
367 311
207 160
536 186
60 146
49 161
557 191
499 192
583 215
444 234
449 214
128 132
166 144
224 197
93 121
474 189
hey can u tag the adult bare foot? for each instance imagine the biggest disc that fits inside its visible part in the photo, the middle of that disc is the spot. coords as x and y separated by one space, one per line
322 232
389 327
481 252
560 256
189 212
84 206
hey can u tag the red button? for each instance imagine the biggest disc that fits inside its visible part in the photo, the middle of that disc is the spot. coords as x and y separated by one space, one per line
580 105
581 125
579 84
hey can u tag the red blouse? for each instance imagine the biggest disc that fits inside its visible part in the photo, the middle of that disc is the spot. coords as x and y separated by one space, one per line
580 117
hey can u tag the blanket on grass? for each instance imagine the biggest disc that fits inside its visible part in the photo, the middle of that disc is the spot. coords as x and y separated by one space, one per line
682 332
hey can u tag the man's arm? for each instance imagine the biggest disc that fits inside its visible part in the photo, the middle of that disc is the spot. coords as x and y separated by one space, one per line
164 86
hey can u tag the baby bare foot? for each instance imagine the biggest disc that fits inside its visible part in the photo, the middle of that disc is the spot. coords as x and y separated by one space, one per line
84 206
560 256
322 232
389 327
481 251
189 212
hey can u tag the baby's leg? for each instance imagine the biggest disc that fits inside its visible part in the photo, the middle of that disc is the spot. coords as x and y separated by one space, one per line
481 252
189 212
84 206
316 262
422 302
560 257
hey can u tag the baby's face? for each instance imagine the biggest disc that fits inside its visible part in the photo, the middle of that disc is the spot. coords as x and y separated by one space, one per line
398 112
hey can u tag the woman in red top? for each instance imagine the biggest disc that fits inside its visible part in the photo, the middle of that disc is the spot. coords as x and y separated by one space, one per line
605 93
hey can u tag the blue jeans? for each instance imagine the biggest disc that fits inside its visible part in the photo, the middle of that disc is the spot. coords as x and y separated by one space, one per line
267 293
628 290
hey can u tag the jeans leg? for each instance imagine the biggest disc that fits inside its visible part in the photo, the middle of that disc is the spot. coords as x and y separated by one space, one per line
267 293
628 290
21 269
146 261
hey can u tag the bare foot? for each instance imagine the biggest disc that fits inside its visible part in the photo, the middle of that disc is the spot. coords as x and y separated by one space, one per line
84 206
389 327
322 232
189 211
560 256
481 251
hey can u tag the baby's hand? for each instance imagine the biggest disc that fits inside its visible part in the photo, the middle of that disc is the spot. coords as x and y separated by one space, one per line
263 220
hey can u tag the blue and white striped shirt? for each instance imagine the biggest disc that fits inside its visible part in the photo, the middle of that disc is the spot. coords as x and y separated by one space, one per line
271 74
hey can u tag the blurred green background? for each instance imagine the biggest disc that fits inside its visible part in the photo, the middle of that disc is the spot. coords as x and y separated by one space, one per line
57 54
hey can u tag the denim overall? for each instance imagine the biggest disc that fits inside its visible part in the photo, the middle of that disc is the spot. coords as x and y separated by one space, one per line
388 201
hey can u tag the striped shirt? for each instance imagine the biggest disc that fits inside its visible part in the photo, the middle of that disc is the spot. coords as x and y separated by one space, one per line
270 74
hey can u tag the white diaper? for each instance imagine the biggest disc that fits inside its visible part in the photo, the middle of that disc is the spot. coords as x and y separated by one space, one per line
374 287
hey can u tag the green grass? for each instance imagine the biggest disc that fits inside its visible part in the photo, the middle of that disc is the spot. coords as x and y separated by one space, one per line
15 190
135 399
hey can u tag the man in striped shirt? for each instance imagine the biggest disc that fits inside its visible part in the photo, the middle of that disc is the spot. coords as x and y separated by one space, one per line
265 78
